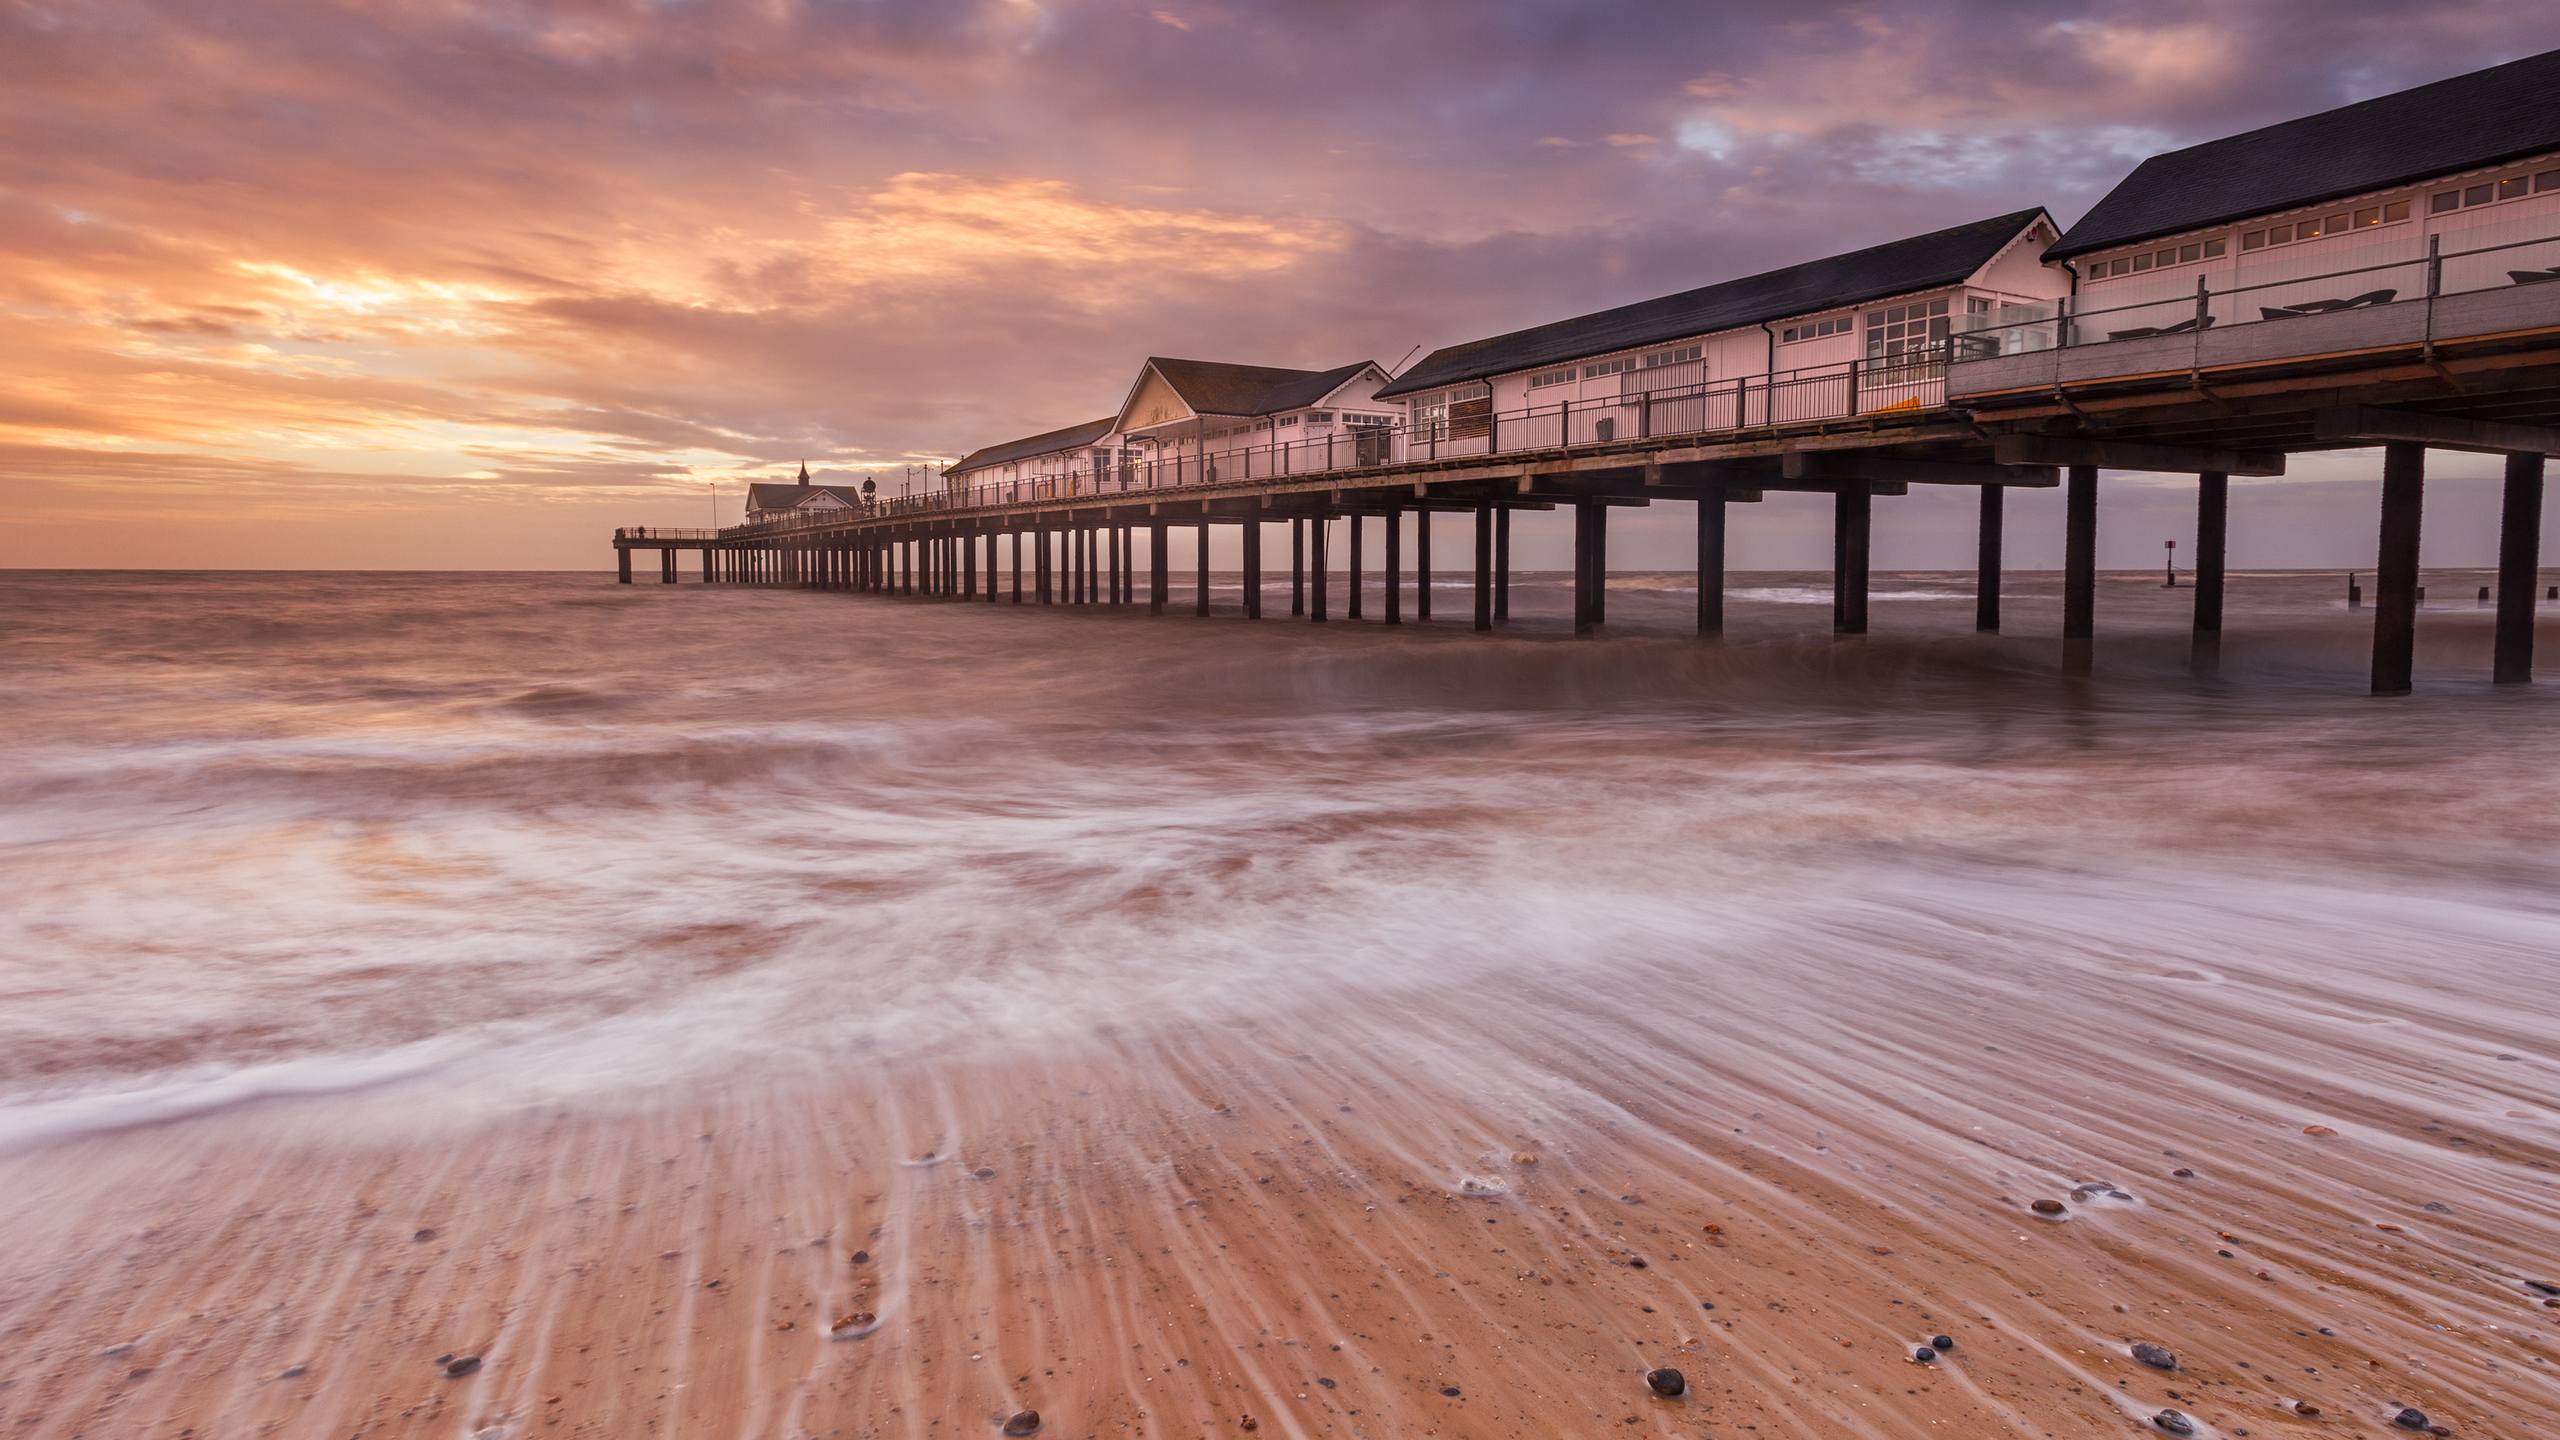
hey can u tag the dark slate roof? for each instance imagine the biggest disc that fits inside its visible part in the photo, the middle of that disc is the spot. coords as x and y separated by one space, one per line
787 494
1898 267
2487 117
1212 388
1069 438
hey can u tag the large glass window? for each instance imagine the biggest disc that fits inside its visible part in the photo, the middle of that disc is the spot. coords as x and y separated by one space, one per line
1905 329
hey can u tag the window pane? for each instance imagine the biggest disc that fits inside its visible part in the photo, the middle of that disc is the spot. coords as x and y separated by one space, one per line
2443 201
2307 230
2478 194
2279 234
2214 248
2141 262
2336 224
2510 188
2547 180
2396 210
2369 215
2254 240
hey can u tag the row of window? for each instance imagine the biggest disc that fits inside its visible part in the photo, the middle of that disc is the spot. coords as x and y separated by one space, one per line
1816 329
1620 365
2490 192
2161 259
2318 227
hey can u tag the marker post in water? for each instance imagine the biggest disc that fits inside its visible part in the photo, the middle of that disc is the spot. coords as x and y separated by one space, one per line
2169 581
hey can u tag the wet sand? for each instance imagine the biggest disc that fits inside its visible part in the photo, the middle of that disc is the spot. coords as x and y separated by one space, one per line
1670 1053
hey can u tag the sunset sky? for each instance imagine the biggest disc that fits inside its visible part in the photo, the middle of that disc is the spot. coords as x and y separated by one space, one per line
444 283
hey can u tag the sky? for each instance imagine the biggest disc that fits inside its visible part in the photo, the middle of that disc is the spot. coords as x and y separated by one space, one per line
432 284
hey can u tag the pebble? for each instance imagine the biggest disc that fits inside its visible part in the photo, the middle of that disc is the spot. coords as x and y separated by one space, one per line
2543 1286
861 1257
291 1372
1449 1390
2317 1130
1023 1422
857 1323
2410 1418
2156 1356
984 1173
1523 1157
2174 1423
1324 1381
2182 1173
1942 1342
424 1235
1247 1422
460 1366
1925 1355
1666 1381
2047 1207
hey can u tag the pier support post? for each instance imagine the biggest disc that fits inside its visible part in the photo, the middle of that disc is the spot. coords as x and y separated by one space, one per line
1316 576
1200 583
2395 577
1484 566
2519 566
1016 549
1111 542
968 566
666 566
2080 570
1711 521
1297 565
1589 516
1158 564
1422 565
1253 559
1351 602
2213 531
1852 533
1393 524
1986 560
1501 564
622 563
706 565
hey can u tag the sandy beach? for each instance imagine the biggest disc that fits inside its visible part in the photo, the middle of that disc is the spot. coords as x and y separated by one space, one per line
1352 1067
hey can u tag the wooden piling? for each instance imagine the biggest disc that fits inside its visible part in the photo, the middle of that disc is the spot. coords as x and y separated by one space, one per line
1484 566
1297 565
2213 531
1253 559
1316 576
1422 566
1200 580
2519 565
2080 570
1158 581
1986 560
1586 515
622 562
1501 564
1853 520
2395 577
1711 523
1351 600
1393 524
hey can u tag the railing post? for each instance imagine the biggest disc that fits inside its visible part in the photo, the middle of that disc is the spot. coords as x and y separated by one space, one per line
1564 423
2062 323
2435 266
2204 303
1644 414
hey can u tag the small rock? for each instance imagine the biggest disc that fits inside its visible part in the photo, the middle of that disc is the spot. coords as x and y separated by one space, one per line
2173 1423
2437 1207
1449 1390
2410 1418
1942 1342
1666 1381
291 1372
2317 1130
1636 1262
424 1235
1023 1422
1925 1356
983 1173
859 1322
1247 1422
1524 1157
2306 1410
1324 1381
2156 1356
2542 1286
2182 1173
2048 1207
861 1257
460 1366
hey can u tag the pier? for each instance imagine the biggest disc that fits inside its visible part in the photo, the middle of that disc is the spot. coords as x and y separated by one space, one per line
2225 308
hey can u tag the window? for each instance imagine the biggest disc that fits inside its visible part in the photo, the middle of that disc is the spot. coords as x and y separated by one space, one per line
1286 420
1815 329
1680 356
1619 366
2444 200
1348 418
1319 417
2479 194
1905 329
2512 187
2546 181
2254 240
1541 379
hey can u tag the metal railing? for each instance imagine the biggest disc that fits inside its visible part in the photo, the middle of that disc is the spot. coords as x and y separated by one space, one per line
1896 384
2404 268
665 532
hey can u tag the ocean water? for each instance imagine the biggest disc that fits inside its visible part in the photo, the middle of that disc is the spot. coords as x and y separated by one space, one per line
543 839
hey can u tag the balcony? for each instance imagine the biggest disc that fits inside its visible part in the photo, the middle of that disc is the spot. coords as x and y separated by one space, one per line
2406 292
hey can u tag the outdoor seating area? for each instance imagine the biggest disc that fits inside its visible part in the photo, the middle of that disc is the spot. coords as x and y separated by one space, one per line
2324 307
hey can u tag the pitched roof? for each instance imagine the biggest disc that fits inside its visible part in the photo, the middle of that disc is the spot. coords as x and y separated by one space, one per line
1897 267
2487 117
1068 438
766 495
1210 387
